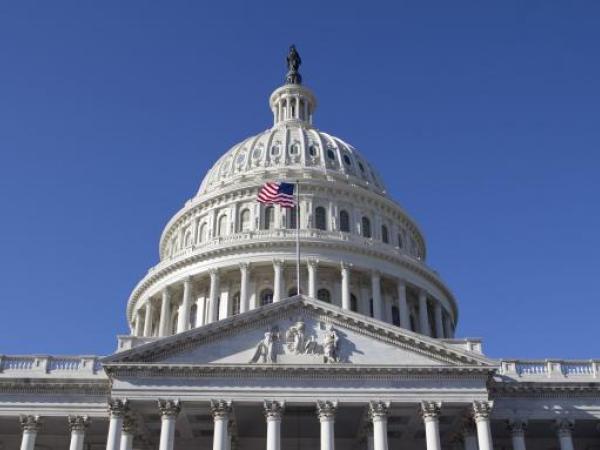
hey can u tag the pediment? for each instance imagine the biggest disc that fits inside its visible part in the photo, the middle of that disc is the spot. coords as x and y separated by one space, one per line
299 331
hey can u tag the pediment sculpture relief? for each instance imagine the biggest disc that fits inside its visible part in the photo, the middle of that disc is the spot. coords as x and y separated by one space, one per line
298 344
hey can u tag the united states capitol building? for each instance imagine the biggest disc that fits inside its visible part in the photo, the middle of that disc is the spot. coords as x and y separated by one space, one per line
223 353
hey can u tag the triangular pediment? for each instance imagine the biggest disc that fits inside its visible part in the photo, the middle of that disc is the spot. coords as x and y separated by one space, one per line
299 331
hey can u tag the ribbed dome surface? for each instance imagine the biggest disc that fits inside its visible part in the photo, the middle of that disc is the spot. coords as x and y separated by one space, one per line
297 146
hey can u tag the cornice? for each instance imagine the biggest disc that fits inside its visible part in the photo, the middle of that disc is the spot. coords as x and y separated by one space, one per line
539 389
100 388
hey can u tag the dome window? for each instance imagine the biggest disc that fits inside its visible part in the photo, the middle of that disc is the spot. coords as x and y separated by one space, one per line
275 150
361 167
235 306
320 218
313 150
330 154
257 153
344 221
245 220
347 160
366 227
241 158
384 234
294 149
353 303
324 295
266 297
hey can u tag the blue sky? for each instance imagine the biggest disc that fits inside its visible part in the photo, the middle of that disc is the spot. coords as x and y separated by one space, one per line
482 117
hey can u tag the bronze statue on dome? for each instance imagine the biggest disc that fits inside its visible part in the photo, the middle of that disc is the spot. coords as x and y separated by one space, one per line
293 63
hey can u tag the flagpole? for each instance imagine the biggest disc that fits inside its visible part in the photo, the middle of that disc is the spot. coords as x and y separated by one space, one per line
297 237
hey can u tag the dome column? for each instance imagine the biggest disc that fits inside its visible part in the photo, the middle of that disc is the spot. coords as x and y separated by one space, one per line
149 313
77 427
423 314
376 295
137 326
169 410
326 412
345 272
278 279
165 313
378 412
481 414
214 296
431 412
183 319
312 277
244 287
30 425
403 305
439 324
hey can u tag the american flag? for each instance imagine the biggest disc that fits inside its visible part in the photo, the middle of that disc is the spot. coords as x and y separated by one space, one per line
277 192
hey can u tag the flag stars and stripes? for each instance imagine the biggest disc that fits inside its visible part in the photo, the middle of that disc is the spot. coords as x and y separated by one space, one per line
275 192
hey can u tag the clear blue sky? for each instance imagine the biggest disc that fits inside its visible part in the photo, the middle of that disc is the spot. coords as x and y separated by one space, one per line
483 117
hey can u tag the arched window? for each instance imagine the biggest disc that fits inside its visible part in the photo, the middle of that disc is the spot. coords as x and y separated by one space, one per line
193 316
353 303
222 225
366 227
320 218
188 238
269 217
245 220
400 244
291 216
344 221
202 233
384 234
324 295
266 297
371 310
235 304
395 316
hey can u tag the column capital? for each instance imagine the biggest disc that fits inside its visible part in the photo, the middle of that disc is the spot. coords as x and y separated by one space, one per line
117 407
78 423
166 292
430 410
423 293
277 262
30 423
378 410
375 274
564 427
220 409
273 409
187 279
326 410
169 408
517 427
214 272
244 266
482 410
345 265
129 424
312 262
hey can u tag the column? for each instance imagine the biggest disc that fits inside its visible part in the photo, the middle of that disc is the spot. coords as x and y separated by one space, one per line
564 428
77 427
165 313
220 410
378 412
376 295
129 428
137 330
244 287
116 412
201 310
439 324
278 279
326 413
213 296
149 313
30 425
403 305
346 285
448 326
273 414
183 318
312 278
430 411
169 409
423 315
481 414
469 435
517 433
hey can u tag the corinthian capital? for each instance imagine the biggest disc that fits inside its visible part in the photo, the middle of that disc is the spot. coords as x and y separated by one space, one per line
129 424
30 423
564 427
516 427
78 423
169 408
117 407
220 409
482 410
326 409
273 409
378 410
430 410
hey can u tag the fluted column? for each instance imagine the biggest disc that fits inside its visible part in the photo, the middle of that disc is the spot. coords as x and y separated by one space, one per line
312 278
169 410
517 433
137 327
165 313
244 287
345 272
183 318
30 425
448 326
149 315
439 324
220 410
423 315
481 414
403 305
273 414
326 412
376 295
469 434
278 279
378 412
213 296
77 427
129 427
564 428
430 411
116 411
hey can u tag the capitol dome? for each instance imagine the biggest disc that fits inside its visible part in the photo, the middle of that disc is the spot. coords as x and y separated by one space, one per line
224 253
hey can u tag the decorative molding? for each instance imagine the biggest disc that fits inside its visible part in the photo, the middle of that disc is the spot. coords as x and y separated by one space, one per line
482 410
517 427
30 423
378 410
169 408
78 423
220 409
430 410
118 407
273 409
326 410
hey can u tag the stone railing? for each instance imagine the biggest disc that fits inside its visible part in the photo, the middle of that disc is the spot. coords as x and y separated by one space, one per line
33 365
551 368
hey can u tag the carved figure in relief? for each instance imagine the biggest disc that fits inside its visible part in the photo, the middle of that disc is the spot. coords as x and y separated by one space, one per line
312 346
265 350
295 338
330 345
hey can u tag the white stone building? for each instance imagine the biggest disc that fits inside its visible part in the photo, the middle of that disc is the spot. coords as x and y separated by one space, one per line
223 353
